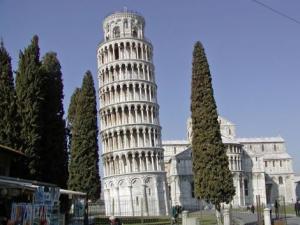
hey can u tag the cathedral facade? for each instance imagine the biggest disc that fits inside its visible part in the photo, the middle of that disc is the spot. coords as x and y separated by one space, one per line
260 167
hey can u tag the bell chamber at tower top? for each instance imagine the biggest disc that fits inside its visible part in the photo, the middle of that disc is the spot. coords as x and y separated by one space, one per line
123 24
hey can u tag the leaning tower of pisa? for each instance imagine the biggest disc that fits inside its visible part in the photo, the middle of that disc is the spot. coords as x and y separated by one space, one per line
134 178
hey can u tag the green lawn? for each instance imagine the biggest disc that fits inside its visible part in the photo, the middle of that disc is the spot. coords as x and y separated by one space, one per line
161 220
206 218
289 209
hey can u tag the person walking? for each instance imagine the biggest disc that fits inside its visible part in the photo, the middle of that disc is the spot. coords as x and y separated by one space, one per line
297 208
252 209
174 214
276 206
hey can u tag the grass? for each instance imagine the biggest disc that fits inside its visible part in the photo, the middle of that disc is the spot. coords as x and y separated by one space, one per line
290 209
208 219
162 220
205 218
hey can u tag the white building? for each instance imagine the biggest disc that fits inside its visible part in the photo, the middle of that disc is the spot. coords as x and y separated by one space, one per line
260 166
132 154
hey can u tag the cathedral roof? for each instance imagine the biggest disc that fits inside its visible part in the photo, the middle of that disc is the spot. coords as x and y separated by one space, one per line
283 155
228 140
184 154
261 140
175 142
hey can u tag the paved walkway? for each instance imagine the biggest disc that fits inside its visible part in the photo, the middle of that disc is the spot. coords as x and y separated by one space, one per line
248 218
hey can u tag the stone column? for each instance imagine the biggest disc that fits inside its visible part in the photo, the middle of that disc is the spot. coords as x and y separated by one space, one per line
235 163
150 94
147 162
226 215
130 54
154 137
157 162
122 115
149 136
156 193
125 139
113 52
185 218
134 163
147 114
152 161
118 140
113 142
151 111
117 203
131 138
144 138
267 217
106 199
138 137
140 162
142 115
145 210
142 51
134 92
105 166
127 168
138 71
140 92
131 201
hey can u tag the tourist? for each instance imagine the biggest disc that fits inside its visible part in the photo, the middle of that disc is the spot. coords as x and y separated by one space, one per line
174 214
118 221
297 208
112 220
252 209
276 206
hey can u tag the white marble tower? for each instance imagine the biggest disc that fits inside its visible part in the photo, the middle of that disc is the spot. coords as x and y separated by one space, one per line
132 154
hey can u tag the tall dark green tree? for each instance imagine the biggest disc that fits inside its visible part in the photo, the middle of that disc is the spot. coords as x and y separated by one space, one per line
71 115
54 158
83 169
212 177
8 109
31 100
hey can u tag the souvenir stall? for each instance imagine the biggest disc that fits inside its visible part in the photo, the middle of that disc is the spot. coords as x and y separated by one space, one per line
34 203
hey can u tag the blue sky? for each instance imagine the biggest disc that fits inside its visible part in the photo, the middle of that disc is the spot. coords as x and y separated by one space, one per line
254 55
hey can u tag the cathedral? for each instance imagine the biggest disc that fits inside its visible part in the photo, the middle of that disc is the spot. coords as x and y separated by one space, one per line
260 166
142 174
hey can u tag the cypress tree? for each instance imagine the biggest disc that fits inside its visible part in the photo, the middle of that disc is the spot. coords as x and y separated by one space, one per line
212 177
83 169
30 101
54 133
8 110
71 115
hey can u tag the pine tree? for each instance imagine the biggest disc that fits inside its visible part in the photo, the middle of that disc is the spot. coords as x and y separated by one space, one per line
83 169
212 177
54 161
30 101
8 109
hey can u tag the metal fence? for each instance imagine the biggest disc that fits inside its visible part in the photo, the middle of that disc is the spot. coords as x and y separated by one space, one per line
136 207
146 213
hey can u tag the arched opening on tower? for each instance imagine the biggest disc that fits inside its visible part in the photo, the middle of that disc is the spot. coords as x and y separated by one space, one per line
116 32
139 52
134 32
116 52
